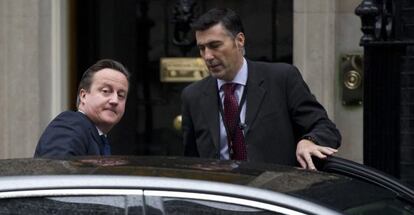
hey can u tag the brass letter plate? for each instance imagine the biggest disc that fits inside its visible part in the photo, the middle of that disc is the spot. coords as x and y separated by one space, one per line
182 69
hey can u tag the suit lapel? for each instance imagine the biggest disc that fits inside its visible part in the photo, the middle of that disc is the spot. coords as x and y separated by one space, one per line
255 94
209 107
96 139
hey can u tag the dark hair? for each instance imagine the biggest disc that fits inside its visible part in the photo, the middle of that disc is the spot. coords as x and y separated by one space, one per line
86 80
227 17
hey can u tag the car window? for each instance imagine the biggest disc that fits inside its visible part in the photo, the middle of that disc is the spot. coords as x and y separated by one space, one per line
177 206
73 205
386 207
165 203
357 197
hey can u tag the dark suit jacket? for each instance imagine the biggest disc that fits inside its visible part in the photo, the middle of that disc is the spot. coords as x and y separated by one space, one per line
280 110
69 134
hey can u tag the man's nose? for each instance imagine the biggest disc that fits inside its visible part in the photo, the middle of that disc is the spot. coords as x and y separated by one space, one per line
208 54
114 98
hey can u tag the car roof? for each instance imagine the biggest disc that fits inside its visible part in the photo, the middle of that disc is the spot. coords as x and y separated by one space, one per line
235 172
331 190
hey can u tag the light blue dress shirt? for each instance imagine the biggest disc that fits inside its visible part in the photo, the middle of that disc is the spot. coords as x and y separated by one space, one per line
240 79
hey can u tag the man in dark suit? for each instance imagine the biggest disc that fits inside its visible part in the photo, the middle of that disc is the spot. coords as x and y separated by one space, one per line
248 110
102 94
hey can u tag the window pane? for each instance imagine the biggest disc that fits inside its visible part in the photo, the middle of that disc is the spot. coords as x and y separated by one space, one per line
386 207
177 206
71 205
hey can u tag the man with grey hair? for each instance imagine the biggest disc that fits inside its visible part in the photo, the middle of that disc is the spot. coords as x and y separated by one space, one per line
102 95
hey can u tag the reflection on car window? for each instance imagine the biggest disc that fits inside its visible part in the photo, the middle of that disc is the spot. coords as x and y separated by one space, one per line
386 207
72 205
177 206
114 201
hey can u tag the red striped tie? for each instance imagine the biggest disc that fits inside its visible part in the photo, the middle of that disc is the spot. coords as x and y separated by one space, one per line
231 119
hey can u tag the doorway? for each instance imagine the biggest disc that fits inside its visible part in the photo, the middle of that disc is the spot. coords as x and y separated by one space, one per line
138 33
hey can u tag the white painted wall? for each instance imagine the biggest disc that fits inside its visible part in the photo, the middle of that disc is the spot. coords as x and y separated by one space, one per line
32 69
324 30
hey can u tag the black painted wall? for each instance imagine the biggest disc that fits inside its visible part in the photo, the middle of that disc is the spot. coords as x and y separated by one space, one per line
388 27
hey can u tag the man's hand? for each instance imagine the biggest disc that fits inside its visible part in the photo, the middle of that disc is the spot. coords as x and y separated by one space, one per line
306 149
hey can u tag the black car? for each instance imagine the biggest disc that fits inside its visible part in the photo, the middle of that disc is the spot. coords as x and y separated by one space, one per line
176 185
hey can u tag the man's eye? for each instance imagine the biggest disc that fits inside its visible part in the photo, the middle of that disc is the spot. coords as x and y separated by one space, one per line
121 95
201 48
105 91
214 45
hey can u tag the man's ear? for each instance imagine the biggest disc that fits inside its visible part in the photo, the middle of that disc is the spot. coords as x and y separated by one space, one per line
240 40
82 95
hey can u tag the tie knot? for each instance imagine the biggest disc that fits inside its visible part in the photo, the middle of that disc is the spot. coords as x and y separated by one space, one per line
229 87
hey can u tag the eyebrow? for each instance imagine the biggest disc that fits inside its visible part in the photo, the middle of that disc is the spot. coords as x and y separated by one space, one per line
209 42
104 84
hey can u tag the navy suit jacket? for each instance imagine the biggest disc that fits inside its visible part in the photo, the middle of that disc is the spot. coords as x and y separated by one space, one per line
280 110
69 134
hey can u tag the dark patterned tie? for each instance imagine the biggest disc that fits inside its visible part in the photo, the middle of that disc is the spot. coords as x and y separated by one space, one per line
231 119
106 149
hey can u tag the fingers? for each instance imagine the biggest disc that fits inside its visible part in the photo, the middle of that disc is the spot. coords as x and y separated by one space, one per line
318 154
309 163
305 161
306 149
301 161
322 152
325 151
328 150
305 157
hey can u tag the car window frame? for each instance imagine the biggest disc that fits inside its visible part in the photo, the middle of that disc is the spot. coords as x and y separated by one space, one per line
17 185
223 199
337 165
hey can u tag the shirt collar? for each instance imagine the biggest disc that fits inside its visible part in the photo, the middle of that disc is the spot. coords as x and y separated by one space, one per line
100 132
241 76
